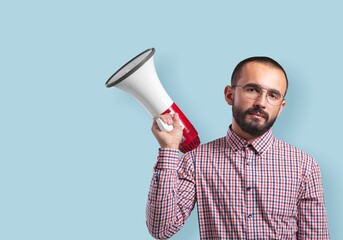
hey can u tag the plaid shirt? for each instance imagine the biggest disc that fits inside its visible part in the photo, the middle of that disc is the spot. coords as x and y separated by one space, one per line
264 190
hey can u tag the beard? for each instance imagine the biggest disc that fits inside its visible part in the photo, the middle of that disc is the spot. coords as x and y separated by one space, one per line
252 127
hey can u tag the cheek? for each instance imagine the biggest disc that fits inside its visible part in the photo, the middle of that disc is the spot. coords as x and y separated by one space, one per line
273 114
242 103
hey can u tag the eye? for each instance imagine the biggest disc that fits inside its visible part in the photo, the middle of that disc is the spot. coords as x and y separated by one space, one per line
274 96
251 89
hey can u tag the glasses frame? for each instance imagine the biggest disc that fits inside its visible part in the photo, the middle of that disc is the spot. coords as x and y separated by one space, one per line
262 90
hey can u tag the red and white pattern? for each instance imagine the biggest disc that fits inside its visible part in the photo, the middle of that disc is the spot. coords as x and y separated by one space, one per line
264 190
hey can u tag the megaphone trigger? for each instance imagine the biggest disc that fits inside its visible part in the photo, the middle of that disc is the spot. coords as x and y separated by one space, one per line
163 126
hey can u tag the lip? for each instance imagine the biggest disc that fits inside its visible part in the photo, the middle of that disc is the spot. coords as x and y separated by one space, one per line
257 115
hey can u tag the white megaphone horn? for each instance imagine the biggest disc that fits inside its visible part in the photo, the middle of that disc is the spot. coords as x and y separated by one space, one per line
138 78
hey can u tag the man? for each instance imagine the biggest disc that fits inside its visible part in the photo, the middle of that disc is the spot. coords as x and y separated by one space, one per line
248 184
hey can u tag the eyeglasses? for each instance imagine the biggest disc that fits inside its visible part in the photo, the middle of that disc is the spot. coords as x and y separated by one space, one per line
253 91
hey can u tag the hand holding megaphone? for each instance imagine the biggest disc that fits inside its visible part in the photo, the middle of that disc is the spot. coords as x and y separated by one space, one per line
168 138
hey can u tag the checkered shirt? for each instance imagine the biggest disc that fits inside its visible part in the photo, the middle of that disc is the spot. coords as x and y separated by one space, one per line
264 190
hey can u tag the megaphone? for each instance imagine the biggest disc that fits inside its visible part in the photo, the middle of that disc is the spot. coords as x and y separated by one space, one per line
138 78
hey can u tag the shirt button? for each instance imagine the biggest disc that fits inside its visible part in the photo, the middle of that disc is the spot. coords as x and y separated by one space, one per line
249 215
248 188
248 163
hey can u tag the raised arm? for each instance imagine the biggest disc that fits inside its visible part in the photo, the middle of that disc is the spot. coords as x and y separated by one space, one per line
172 191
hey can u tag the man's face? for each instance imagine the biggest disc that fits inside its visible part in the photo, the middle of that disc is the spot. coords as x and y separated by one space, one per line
254 117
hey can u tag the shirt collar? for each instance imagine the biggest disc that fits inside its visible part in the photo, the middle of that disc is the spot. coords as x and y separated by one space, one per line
260 145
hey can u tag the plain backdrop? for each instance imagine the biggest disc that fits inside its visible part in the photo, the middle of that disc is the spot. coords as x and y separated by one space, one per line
76 158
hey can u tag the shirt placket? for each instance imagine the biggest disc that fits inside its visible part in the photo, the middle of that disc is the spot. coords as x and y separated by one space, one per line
250 212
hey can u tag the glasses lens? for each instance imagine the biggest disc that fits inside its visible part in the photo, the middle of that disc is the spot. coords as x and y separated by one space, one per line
274 101
252 92
274 98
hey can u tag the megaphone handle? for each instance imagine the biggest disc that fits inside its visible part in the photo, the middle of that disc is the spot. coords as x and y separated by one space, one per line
163 126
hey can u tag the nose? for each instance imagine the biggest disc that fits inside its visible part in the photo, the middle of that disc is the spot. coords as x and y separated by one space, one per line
261 101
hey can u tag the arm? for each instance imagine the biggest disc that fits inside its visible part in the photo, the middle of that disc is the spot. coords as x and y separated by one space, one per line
172 195
172 190
312 221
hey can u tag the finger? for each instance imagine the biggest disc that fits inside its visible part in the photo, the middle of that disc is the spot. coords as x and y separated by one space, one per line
166 118
176 120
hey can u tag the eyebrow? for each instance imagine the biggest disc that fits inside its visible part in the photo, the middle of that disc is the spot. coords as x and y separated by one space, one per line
275 91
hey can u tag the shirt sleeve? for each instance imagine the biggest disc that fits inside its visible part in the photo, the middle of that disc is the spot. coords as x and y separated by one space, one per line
172 194
312 220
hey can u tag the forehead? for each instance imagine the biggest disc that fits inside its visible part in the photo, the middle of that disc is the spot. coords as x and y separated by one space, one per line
263 74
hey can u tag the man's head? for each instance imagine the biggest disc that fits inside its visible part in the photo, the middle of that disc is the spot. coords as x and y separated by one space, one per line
260 59
257 91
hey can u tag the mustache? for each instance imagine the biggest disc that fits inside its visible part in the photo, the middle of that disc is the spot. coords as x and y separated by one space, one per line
257 111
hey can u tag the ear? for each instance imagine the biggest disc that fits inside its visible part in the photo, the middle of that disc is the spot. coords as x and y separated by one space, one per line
228 93
283 104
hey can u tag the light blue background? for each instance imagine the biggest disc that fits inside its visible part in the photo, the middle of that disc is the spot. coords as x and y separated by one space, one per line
76 158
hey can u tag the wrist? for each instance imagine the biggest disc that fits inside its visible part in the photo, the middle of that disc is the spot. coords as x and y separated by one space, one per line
170 147
167 159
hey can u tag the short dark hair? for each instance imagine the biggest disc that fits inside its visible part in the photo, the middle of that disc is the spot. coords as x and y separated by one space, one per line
260 59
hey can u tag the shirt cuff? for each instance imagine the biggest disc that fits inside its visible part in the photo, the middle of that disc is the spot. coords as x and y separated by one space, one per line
167 159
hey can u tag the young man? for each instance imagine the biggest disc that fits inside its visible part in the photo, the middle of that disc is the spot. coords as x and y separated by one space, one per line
248 184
